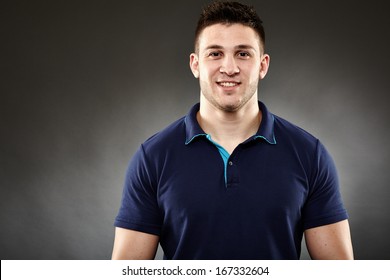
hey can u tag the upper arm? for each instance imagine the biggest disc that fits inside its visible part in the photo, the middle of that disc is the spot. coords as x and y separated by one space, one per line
134 245
139 211
332 242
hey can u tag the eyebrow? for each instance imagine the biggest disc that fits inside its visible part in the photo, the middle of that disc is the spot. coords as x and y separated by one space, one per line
240 47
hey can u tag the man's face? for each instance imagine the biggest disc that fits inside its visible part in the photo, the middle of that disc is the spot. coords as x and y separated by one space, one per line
229 64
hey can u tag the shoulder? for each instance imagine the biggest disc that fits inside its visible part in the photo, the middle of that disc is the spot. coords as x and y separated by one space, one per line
297 143
155 149
302 140
167 137
311 152
288 132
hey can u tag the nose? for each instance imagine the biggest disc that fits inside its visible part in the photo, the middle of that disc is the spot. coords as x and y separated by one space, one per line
229 66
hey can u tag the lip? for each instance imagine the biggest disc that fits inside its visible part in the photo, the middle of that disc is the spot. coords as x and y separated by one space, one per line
228 84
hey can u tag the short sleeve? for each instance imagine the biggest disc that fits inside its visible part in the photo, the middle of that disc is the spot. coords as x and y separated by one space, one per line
139 207
324 204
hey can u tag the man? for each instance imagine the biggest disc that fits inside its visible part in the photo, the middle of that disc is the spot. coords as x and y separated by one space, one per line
231 180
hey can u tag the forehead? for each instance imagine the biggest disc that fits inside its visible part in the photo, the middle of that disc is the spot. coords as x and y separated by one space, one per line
228 36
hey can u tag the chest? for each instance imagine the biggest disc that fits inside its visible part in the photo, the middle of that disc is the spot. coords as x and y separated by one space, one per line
258 182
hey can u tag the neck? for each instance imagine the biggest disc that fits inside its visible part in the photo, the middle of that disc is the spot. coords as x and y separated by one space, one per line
229 129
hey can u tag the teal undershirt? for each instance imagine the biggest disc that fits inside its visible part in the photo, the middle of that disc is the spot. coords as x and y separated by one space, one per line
224 154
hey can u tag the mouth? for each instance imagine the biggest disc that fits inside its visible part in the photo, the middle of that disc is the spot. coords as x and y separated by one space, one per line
229 84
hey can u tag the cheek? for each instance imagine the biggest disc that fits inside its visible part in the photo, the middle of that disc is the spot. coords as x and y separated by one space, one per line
249 68
205 75
208 70
254 72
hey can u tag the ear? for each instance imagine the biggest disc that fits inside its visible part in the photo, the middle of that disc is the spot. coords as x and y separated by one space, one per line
194 64
264 65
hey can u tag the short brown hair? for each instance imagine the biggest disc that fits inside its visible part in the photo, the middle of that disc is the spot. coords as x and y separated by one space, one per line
229 13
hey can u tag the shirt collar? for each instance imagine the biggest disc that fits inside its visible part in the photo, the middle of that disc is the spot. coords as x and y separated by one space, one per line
266 129
265 132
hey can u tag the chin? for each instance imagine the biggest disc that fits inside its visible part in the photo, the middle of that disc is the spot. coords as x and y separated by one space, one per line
231 108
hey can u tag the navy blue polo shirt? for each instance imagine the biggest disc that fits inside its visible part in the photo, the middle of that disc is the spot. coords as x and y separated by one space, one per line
256 204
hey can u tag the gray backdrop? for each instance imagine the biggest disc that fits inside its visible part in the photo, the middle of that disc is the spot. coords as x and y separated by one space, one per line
83 83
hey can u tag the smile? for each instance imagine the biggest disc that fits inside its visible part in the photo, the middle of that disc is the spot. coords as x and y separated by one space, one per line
228 84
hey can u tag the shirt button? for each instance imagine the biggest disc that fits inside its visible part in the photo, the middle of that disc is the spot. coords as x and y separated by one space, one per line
230 163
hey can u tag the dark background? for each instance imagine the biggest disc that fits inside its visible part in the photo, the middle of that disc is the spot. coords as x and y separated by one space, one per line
83 83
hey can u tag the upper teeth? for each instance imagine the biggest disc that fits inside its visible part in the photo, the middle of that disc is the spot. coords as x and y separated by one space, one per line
228 84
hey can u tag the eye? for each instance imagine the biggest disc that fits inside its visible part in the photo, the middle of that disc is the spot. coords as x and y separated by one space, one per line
214 54
243 54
